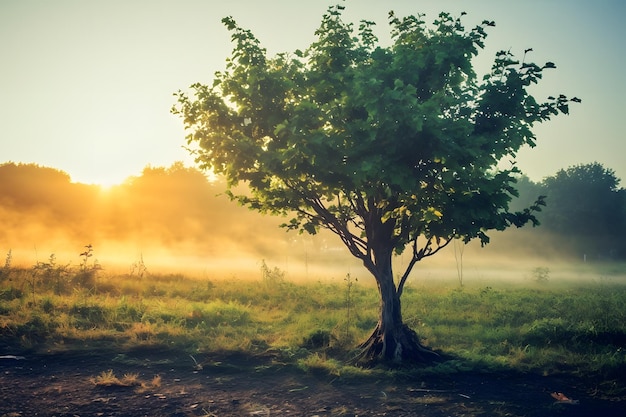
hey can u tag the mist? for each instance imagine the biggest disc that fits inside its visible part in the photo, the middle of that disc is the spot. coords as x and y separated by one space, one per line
176 220
172 218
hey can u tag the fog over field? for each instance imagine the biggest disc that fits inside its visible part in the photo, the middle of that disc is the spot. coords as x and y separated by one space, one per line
174 220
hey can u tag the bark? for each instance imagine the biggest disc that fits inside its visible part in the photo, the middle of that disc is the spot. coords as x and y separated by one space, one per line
392 341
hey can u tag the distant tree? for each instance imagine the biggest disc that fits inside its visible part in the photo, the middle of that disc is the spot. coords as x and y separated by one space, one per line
30 185
179 205
528 192
174 207
585 203
390 148
31 194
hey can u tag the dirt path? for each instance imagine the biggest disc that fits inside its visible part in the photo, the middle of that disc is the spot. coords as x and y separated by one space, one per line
62 385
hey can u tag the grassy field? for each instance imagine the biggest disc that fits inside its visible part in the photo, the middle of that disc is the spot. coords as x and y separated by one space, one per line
539 326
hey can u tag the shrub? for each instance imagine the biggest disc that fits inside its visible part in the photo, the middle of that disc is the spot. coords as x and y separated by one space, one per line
272 277
318 339
11 293
541 274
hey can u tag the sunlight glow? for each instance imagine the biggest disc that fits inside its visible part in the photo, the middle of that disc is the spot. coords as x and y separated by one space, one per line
105 187
105 181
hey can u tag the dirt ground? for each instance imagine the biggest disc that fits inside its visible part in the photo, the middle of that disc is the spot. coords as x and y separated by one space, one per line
64 385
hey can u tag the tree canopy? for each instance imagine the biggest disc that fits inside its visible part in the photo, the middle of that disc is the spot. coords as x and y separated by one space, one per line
389 147
586 206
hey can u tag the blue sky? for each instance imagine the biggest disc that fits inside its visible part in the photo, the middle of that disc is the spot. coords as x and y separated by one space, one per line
87 86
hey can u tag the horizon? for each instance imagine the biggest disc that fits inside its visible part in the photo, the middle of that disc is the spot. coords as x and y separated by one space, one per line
195 230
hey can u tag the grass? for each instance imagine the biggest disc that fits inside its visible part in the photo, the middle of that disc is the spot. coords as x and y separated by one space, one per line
540 327
109 379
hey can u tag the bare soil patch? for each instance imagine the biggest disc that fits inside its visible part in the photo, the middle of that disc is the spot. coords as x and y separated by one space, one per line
62 385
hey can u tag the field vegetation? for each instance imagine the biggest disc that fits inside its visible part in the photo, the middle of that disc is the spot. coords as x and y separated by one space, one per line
539 326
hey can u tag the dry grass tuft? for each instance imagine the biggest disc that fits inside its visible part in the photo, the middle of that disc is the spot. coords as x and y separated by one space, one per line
108 379
156 381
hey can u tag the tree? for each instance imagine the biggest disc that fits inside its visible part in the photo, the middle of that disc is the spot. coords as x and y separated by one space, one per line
528 192
390 148
586 205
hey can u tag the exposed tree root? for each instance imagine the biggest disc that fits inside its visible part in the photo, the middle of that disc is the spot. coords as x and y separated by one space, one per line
395 347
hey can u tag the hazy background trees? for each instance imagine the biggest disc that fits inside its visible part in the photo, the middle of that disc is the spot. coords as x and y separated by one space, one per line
585 212
180 211
162 214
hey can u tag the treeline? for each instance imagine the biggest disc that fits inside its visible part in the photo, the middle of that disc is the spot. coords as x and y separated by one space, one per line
585 212
178 207
173 207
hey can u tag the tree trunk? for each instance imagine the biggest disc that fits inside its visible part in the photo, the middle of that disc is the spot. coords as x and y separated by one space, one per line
392 341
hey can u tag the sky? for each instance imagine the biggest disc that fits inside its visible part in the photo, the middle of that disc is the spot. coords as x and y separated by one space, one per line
87 86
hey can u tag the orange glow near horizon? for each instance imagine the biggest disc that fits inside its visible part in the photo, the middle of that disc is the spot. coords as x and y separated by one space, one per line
175 221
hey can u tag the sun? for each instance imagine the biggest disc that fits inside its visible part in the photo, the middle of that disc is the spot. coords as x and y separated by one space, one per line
106 183
105 187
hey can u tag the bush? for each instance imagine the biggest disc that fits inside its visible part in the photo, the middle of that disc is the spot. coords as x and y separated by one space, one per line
319 339
85 279
11 293
541 274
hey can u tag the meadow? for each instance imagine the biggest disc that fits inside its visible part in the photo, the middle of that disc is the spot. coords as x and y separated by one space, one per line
539 326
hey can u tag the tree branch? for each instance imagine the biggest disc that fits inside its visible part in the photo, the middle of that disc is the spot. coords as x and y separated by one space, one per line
356 245
418 255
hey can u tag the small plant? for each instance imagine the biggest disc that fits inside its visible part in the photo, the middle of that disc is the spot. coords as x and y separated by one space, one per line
138 268
458 257
271 276
87 272
349 284
541 274
7 265
51 274
43 272
11 289
319 339
88 253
